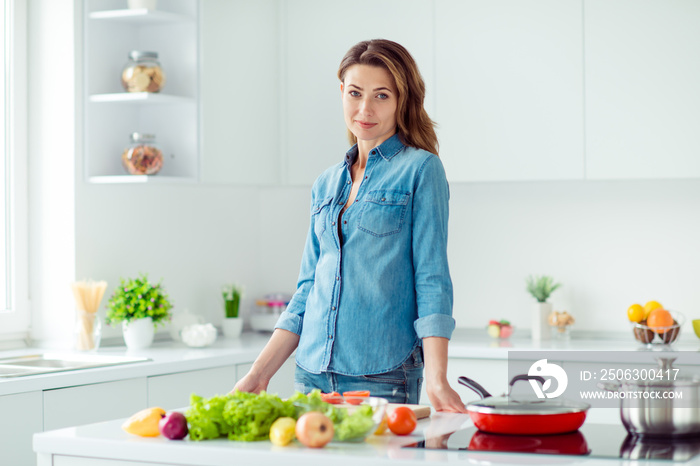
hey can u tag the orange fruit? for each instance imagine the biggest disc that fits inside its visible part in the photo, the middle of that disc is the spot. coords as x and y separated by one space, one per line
635 313
659 320
650 306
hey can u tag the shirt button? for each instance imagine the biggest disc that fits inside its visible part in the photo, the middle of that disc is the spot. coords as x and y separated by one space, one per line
332 223
337 278
330 337
374 152
348 182
333 308
357 200
345 222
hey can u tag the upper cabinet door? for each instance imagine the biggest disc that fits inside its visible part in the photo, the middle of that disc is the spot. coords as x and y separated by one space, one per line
642 88
240 92
318 34
509 87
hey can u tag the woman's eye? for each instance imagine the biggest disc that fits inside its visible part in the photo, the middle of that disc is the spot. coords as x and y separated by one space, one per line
354 94
382 96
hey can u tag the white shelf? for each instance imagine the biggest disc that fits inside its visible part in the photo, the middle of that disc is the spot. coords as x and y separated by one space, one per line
142 16
149 179
141 97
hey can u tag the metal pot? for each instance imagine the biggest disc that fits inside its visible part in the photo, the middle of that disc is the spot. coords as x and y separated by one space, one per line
506 415
660 408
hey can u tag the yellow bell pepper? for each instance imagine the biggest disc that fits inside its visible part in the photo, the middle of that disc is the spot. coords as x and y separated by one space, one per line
145 422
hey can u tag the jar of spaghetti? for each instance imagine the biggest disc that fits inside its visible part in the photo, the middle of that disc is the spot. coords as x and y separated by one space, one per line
142 156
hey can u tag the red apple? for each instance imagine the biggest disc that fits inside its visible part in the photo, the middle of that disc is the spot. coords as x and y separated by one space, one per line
314 429
173 425
506 331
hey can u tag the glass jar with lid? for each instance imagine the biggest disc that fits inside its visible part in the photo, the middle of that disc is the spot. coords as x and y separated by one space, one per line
143 73
142 156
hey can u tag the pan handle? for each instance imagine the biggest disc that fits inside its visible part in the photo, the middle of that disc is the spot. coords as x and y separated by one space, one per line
481 391
526 377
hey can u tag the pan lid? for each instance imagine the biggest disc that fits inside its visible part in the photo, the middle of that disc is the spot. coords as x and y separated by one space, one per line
507 405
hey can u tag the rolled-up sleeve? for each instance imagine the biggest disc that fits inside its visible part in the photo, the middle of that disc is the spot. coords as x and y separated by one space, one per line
292 319
433 284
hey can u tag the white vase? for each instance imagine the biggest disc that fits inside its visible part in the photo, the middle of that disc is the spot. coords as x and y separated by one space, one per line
540 327
232 327
138 334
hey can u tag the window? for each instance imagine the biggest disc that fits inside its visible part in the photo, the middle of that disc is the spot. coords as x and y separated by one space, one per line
14 309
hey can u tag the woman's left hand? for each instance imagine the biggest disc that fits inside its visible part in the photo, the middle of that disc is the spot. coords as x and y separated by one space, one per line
444 398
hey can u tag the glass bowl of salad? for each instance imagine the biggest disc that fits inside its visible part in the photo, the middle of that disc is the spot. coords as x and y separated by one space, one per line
354 417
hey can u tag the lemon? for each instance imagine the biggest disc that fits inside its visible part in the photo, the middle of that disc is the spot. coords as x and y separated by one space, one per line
636 313
650 306
282 431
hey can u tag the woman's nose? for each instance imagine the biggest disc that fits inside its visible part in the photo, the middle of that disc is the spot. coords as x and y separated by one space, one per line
366 107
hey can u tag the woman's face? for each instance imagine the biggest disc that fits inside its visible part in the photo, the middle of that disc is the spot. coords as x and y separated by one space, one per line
369 103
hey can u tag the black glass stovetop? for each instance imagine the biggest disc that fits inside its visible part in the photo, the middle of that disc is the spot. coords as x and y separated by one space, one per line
592 440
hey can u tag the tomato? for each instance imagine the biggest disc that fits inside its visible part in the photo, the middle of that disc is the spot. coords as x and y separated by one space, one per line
402 420
357 393
355 397
332 397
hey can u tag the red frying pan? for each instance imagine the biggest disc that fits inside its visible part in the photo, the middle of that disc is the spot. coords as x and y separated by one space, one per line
506 415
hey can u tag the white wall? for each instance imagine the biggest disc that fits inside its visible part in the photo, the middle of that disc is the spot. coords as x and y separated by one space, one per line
609 243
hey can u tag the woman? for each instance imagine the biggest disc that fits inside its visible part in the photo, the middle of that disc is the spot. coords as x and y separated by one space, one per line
374 297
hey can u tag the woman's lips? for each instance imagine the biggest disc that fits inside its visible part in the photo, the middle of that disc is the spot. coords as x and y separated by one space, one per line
364 125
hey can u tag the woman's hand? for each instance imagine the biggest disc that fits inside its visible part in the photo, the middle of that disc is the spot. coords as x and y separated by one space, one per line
281 345
441 395
250 383
444 398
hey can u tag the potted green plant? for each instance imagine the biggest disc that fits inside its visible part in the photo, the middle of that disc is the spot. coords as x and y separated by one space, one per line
140 306
541 288
233 324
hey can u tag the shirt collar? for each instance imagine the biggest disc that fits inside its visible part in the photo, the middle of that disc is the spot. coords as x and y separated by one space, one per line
387 150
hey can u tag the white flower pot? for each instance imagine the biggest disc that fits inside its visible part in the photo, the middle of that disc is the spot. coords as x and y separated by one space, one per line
232 327
540 326
138 334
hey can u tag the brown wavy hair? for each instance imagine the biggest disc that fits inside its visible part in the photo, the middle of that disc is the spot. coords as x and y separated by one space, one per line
413 125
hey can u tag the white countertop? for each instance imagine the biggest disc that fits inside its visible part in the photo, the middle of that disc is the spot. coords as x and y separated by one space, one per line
106 440
169 357
166 357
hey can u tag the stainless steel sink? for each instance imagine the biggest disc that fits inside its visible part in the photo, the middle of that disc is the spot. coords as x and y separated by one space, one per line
35 364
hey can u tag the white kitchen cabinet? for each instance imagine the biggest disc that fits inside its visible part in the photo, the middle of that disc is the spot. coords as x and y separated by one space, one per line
509 89
241 92
110 115
65 407
317 33
173 391
642 93
21 418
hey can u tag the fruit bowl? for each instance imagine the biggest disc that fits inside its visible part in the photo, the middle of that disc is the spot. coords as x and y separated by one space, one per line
658 335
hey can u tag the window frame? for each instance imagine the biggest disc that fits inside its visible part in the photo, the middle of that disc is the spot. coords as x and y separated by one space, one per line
15 324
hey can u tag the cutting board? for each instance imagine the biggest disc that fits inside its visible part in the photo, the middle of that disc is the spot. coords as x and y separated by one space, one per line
421 411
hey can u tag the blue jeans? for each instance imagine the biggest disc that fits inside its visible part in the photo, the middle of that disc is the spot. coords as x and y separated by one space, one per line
401 385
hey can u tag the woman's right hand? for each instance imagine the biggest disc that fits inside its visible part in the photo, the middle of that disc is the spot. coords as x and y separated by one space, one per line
250 383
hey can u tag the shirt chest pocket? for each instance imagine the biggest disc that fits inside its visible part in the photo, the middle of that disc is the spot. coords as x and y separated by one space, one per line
319 214
383 212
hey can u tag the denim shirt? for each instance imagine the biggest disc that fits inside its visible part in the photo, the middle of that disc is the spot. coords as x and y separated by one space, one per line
362 305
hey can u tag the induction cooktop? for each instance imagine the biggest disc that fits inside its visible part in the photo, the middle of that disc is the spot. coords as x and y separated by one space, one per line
592 440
